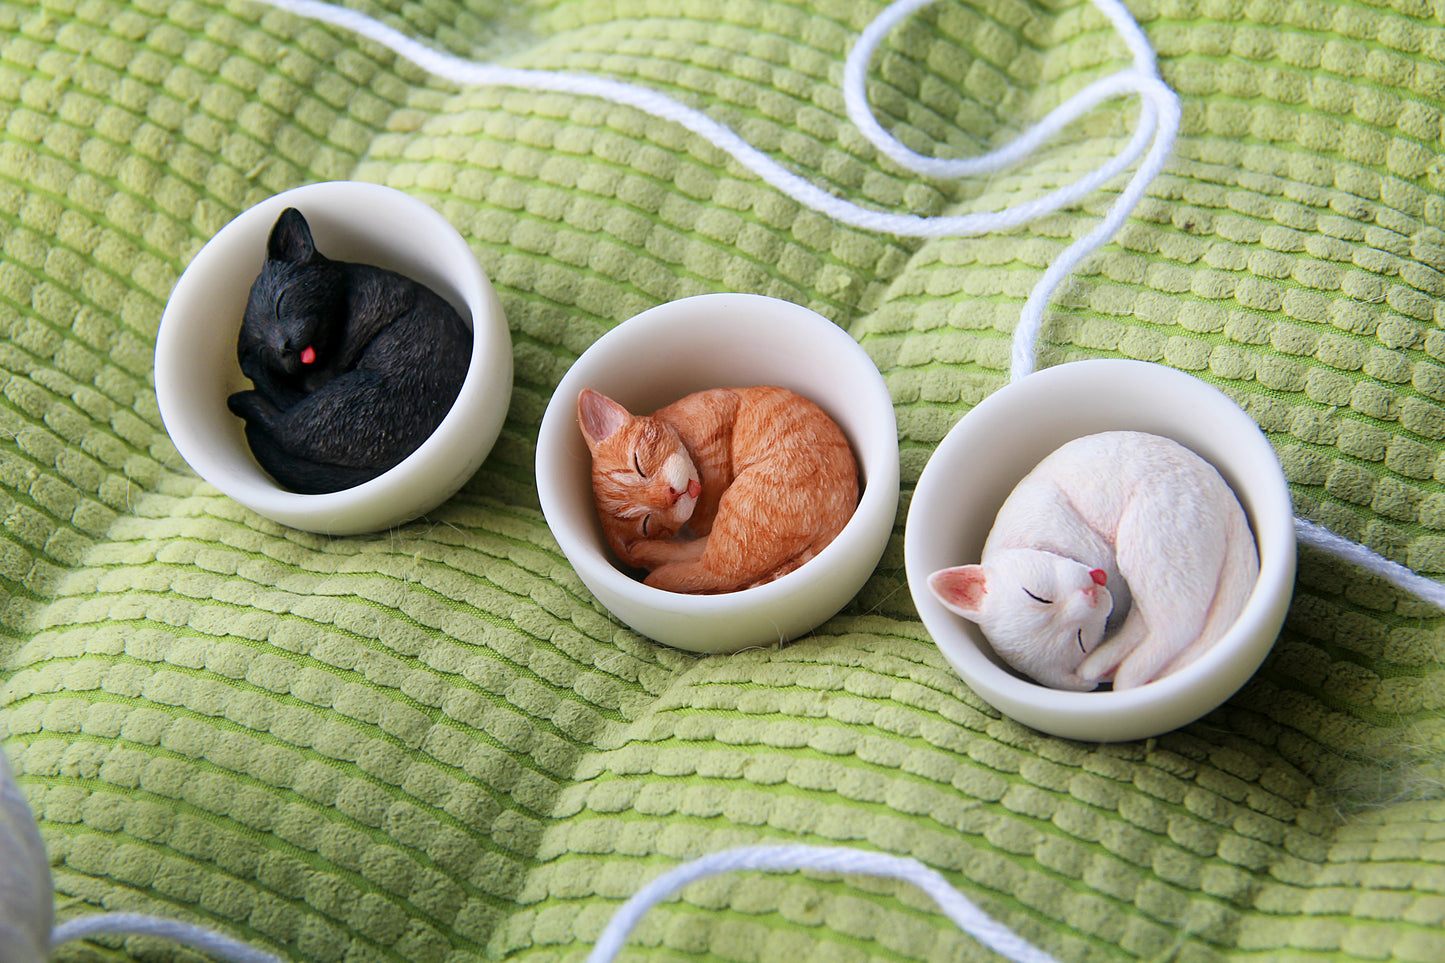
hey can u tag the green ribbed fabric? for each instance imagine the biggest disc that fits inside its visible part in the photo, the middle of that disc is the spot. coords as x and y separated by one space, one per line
433 746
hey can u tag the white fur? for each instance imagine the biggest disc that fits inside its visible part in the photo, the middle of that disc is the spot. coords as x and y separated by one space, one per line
1157 522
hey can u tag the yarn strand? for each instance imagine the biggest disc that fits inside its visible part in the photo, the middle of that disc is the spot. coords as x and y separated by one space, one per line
1141 79
831 859
214 944
1317 536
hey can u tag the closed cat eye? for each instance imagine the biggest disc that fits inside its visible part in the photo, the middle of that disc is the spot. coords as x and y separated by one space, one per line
638 465
645 519
1037 599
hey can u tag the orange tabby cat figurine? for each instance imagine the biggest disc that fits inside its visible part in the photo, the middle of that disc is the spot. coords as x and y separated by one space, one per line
762 478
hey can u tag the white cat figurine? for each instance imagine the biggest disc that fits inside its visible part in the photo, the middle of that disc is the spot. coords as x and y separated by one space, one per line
1126 510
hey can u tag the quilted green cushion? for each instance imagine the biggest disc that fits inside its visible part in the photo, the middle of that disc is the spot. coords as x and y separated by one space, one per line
432 746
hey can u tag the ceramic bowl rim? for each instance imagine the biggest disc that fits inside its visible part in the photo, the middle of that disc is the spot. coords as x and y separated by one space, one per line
1176 699
596 566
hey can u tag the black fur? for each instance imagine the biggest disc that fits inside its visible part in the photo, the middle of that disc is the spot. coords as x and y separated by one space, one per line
390 357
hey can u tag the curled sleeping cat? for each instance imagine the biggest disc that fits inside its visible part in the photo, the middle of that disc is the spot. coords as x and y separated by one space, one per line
761 477
354 366
1127 511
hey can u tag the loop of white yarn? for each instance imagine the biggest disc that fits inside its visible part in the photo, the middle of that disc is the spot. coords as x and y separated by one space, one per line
1159 111
1157 126
855 97
832 859
1141 78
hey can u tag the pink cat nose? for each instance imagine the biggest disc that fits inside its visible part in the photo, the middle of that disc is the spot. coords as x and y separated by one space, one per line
694 488
1099 576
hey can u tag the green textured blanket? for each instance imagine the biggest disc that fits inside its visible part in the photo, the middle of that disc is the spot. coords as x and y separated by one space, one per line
431 745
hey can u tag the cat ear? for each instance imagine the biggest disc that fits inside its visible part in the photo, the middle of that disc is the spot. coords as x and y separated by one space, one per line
291 238
599 416
961 589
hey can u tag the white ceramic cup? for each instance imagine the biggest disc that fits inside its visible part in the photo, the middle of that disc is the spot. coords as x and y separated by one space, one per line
196 367
1000 441
722 341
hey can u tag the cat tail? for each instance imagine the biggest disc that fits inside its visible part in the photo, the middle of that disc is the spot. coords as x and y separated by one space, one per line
302 475
1236 583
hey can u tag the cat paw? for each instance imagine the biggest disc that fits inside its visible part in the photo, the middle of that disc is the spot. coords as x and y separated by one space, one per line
250 405
658 552
1076 683
1139 669
690 577
1094 669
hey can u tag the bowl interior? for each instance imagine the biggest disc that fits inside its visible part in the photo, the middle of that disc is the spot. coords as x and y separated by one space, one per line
991 449
714 341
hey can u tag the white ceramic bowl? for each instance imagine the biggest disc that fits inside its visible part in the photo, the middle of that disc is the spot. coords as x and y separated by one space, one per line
996 444
196 367
720 341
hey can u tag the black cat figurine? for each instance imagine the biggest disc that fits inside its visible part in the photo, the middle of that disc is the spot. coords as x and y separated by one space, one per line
354 366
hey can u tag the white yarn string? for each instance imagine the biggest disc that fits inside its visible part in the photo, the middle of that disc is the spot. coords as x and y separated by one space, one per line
1141 79
136 924
1317 536
830 859
1165 112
